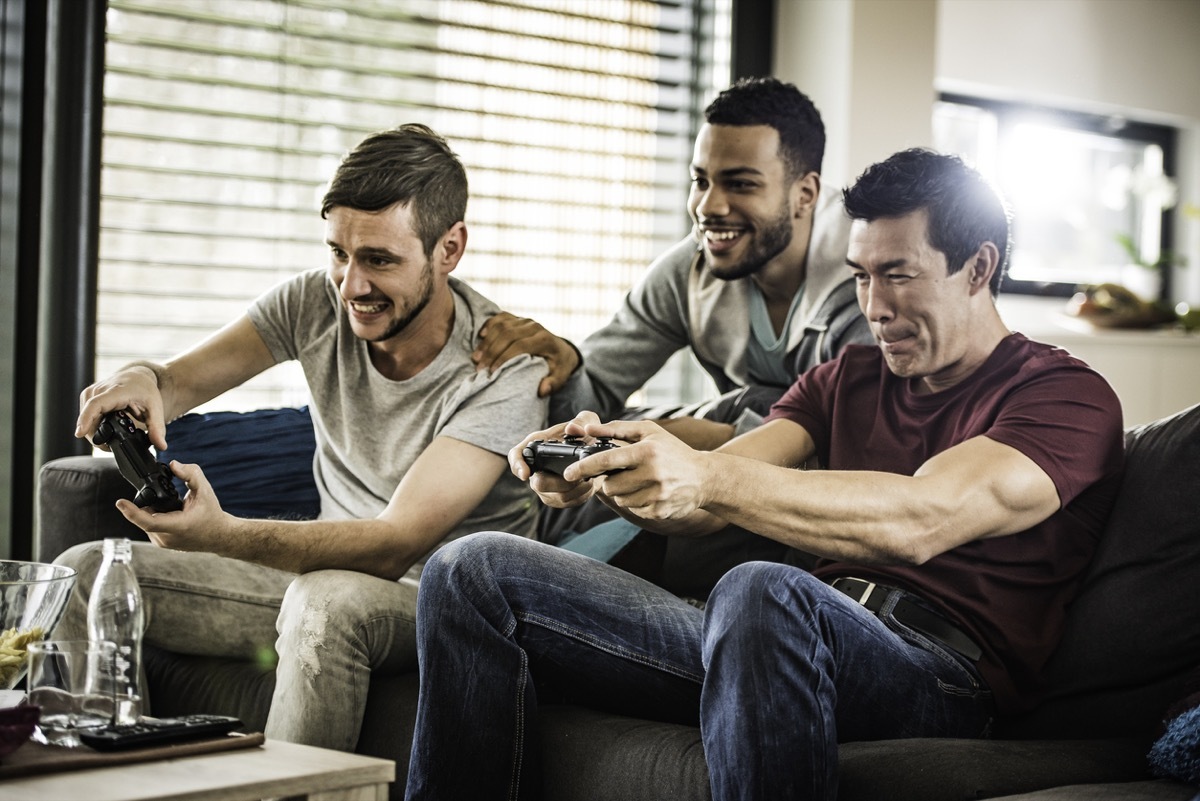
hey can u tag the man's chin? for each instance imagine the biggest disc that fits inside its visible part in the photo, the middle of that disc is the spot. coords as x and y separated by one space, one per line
728 269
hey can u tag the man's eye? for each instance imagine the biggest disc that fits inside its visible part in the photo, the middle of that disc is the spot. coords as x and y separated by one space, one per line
699 183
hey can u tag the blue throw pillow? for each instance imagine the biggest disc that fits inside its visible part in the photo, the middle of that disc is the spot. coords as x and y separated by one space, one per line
1176 755
259 463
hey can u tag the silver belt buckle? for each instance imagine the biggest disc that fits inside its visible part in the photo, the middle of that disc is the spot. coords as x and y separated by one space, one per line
866 595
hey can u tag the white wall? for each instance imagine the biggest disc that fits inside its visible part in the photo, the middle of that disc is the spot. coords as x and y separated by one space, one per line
1140 58
873 67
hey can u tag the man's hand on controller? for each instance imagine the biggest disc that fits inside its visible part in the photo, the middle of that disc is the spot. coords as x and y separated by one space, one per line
504 336
133 389
655 475
200 526
554 490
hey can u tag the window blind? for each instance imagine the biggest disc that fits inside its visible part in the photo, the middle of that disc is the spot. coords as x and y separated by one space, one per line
224 119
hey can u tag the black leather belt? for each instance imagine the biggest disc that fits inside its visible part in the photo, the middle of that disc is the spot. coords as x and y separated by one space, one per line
911 614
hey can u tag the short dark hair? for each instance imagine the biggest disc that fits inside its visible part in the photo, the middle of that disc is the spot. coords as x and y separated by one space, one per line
770 101
410 164
964 209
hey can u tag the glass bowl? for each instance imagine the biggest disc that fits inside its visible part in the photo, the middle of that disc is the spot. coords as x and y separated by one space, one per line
33 596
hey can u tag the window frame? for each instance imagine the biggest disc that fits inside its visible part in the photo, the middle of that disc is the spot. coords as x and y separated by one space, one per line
1114 126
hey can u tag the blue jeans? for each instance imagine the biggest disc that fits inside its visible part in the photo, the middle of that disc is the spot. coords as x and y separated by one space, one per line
776 670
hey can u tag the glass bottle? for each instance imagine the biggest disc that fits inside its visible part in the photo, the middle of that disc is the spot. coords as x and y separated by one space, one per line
115 613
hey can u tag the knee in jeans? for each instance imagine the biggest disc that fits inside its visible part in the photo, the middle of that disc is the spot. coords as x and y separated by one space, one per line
744 598
472 550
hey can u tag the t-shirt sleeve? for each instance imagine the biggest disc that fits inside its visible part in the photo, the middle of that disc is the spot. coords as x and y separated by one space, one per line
808 403
1067 420
497 411
276 313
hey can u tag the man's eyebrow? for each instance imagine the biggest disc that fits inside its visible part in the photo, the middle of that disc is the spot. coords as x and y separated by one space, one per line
729 173
887 265
364 252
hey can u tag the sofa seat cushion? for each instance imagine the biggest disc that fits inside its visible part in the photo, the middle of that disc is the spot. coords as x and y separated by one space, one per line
1124 791
589 755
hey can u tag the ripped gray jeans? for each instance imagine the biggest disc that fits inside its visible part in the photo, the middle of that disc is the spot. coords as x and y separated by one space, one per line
330 628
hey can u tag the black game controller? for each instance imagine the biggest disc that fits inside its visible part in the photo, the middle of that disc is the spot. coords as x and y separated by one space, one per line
554 455
153 480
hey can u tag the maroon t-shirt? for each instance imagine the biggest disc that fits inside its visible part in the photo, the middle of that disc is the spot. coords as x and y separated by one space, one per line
1009 592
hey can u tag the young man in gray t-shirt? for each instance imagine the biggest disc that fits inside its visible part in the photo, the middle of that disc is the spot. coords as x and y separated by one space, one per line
411 444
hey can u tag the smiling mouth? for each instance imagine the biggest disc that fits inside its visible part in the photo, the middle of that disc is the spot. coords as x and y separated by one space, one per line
721 240
358 307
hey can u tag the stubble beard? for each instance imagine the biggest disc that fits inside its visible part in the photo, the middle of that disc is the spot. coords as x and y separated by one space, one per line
425 294
768 242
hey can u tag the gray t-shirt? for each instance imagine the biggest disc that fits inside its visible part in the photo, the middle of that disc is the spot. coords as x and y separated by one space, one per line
370 429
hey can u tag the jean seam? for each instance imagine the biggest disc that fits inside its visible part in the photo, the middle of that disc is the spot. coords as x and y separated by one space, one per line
192 589
613 650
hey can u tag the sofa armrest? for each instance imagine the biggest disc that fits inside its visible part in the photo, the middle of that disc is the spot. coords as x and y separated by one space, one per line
76 503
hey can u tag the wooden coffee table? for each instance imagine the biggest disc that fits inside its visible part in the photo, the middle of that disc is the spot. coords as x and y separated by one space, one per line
276 769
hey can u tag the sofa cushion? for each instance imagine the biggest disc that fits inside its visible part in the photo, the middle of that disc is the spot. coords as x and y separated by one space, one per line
259 463
588 755
1133 633
1122 791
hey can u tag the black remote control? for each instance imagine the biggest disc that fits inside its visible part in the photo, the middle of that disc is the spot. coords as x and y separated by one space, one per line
149 732
554 455
153 480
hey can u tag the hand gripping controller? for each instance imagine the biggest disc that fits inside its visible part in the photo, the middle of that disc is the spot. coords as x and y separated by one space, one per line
130 445
554 455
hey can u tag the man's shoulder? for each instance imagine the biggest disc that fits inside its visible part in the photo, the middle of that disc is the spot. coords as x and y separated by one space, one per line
477 305
1036 355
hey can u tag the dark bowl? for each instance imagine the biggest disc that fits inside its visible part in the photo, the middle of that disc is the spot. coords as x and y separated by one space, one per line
16 726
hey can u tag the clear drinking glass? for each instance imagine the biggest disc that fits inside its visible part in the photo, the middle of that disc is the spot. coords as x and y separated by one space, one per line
72 681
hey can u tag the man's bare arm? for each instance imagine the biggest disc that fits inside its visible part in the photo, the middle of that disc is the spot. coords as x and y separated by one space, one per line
979 488
423 510
158 393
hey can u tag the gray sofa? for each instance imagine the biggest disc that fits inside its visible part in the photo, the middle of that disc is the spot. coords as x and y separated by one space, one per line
1131 650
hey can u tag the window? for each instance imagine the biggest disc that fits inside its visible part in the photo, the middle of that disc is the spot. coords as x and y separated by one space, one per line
1089 193
225 118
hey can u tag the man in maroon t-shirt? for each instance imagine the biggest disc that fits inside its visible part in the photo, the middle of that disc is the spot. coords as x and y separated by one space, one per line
969 473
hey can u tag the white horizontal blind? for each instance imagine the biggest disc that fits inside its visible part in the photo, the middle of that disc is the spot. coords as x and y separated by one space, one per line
224 119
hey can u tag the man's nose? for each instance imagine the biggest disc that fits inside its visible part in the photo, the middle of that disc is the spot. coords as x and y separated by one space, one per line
712 203
354 283
876 302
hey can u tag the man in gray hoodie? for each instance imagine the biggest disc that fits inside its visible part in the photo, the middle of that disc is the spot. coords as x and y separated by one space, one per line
758 291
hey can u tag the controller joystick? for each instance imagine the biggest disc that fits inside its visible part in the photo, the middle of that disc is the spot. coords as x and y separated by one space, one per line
554 455
130 445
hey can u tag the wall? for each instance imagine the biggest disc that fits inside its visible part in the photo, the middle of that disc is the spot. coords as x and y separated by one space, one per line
1133 57
874 66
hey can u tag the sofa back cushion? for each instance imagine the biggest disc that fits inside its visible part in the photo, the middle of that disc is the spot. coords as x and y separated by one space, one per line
259 463
1133 633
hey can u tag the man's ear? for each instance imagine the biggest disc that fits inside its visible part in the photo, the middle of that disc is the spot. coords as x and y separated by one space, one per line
983 266
451 246
805 191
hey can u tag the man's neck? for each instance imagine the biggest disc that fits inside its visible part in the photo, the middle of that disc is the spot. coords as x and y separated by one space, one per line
781 278
413 349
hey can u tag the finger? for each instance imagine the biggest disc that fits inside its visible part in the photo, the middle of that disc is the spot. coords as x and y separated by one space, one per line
579 425
135 514
156 427
191 474
495 337
624 430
